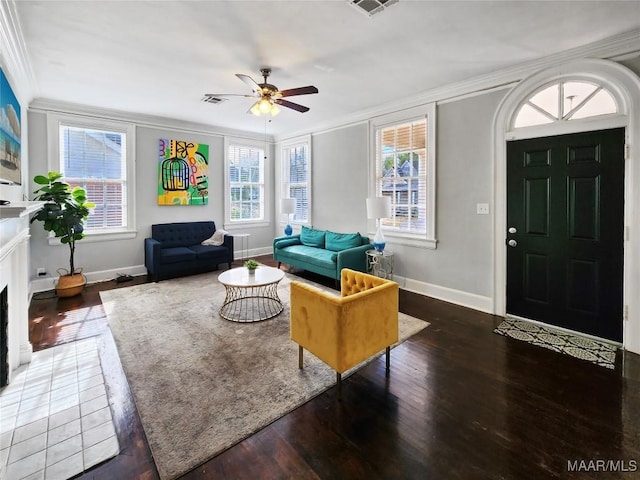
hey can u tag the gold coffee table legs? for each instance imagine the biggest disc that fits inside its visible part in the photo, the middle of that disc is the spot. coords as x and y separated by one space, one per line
251 304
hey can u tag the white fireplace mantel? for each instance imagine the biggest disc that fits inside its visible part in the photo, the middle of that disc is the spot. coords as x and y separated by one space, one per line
14 274
19 209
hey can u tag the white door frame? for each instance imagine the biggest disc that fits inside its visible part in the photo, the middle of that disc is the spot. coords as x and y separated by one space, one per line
625 86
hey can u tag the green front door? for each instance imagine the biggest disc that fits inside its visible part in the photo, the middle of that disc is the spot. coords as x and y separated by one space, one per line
565 222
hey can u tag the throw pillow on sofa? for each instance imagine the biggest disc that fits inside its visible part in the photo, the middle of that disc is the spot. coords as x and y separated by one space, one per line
312 237
341 241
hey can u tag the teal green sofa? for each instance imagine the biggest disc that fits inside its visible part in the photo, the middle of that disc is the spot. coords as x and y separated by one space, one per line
322 251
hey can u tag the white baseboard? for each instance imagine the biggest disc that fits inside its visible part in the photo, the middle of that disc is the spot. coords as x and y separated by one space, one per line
458 297
253 252
49 283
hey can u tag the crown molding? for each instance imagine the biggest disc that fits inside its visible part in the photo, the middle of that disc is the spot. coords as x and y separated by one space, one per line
45 105
624 45
14 52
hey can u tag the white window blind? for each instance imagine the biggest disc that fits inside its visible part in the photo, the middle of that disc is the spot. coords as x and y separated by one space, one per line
297 179
96 161
401 174
246 182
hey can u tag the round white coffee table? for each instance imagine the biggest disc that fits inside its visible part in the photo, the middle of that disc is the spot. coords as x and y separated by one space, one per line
251 297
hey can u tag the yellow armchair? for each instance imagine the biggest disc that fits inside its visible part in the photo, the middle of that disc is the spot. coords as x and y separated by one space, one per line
345 330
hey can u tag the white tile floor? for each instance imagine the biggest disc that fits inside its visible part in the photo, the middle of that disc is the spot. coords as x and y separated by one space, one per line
55 420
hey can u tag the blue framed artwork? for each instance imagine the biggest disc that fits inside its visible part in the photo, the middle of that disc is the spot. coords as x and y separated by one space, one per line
9 133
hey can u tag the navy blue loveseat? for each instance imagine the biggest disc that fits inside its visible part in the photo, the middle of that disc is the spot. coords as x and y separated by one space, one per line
175 249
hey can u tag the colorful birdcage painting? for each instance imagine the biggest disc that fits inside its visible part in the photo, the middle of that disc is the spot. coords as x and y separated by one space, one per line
175 175
183 173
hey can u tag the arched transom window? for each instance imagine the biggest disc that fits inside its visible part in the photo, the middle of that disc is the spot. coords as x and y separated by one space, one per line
565 101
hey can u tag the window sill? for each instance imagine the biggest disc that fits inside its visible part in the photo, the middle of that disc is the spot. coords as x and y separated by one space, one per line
408 240
100 237
231 226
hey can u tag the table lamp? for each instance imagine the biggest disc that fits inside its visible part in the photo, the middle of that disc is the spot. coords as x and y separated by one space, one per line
377 208
288 206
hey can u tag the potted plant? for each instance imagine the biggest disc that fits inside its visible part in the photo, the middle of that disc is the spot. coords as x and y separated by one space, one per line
64 213
251 266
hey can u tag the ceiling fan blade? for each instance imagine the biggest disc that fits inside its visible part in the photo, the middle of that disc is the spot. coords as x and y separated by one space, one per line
294 106
250 81
298 91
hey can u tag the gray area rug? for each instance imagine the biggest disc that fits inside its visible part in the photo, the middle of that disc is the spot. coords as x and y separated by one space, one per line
201 384
600 353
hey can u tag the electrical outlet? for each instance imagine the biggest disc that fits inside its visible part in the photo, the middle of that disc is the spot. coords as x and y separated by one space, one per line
41 272
482 208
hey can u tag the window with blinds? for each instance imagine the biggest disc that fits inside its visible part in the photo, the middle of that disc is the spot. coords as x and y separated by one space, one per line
401 174
96 161
246 182
297 178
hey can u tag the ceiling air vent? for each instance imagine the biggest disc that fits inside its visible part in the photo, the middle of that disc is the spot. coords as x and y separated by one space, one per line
371 7
214 100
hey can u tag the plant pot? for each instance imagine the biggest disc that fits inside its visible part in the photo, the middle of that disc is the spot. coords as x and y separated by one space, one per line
252 271
70 285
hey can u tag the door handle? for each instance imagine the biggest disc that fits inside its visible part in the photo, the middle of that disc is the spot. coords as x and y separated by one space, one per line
513 230
512 243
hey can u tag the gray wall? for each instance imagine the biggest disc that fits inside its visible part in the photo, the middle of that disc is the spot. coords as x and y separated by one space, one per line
462 261
463 257
632 64
340 179
100 256
464 171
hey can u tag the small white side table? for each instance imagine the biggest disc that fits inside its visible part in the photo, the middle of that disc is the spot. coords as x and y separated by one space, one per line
380 264
243 245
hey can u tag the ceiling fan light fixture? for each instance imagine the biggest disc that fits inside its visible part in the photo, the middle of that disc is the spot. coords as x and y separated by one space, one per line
264 107
255 109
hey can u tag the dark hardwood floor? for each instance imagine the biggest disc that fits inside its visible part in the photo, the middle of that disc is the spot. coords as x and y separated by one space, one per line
460 403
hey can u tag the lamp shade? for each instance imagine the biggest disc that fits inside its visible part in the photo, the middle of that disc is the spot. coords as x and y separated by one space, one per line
378 207
288 205
264 107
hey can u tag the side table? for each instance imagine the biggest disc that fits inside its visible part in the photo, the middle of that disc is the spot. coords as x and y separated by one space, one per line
243 248
380 264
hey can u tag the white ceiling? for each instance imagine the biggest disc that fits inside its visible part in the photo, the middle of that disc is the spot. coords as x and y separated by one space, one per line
159 57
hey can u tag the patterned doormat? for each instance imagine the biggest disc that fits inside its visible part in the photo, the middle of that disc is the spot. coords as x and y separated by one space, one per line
600 353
